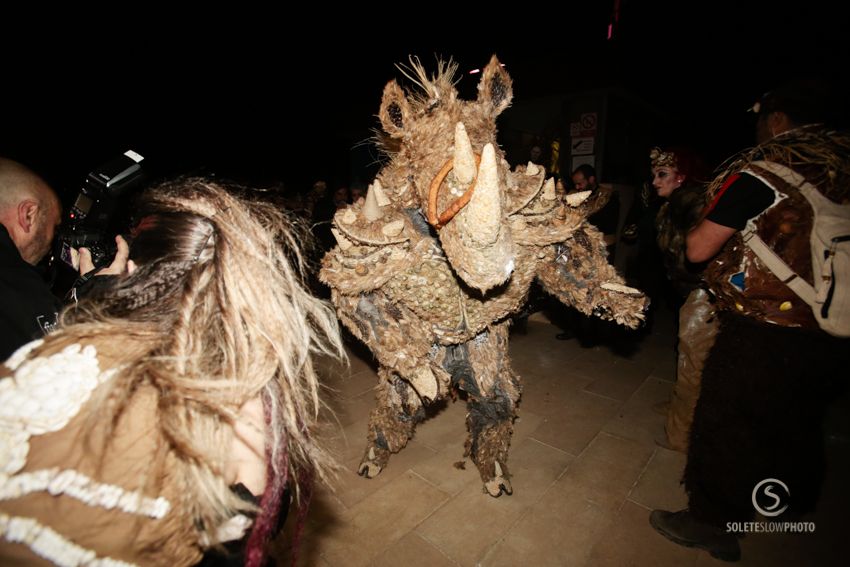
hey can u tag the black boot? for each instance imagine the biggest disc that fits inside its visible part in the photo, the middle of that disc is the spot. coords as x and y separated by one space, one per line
682 528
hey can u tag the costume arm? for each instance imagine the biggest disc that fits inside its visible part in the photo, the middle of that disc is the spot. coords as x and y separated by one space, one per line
396 336
580 276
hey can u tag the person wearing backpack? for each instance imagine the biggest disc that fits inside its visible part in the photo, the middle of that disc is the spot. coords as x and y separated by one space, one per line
782 347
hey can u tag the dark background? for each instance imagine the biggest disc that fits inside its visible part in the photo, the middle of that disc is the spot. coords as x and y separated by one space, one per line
269 101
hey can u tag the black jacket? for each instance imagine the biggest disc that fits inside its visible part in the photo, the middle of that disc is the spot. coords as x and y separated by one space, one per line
28 308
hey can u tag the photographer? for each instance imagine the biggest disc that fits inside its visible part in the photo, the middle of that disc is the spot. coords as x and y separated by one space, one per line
29 215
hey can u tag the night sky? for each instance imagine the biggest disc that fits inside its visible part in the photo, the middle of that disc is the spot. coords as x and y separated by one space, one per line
245 103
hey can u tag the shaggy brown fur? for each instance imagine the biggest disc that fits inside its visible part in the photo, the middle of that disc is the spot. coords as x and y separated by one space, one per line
432 302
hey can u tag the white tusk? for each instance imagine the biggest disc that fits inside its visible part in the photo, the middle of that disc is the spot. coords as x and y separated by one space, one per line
464 162
576 199
620 288
371 210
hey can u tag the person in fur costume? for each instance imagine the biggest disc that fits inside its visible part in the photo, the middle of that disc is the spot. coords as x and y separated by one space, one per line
430 267
772 369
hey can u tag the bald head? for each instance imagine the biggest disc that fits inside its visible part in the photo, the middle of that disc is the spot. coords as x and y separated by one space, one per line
17 182
29 209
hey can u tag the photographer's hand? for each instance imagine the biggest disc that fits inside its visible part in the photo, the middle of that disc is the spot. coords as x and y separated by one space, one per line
118 265
82 261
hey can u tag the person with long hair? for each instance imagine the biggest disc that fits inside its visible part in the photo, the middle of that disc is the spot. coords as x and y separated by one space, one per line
123 434
678 176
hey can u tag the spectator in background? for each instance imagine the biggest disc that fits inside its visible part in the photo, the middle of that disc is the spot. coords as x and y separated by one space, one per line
660 269
341 196
318 194
358 191
605 219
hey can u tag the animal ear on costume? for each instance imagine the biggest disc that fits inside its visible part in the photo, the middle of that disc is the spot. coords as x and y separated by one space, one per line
495 89
395 111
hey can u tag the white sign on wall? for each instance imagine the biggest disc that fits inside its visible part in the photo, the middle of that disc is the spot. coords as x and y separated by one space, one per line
581 160
581 146
588 122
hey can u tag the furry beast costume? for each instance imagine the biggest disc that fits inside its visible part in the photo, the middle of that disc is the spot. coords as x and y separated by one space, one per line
442 251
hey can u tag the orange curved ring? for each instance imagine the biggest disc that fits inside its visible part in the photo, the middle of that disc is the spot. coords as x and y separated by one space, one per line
439 221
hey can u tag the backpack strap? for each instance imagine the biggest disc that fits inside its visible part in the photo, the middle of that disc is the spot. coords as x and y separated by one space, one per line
788 175
779 268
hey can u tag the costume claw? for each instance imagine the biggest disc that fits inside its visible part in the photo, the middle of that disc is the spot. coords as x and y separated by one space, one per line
500 483
370 468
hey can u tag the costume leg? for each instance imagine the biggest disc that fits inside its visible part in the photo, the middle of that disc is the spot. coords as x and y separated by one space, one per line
697 332
493 396
391 423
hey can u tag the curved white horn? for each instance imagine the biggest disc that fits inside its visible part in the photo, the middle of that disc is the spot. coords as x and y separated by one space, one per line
483 215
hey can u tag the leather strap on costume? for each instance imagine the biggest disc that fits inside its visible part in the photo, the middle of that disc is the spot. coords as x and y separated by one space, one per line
743 282
770 259
779 268
828 294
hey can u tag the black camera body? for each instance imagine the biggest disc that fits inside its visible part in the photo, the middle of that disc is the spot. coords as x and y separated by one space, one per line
99 210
